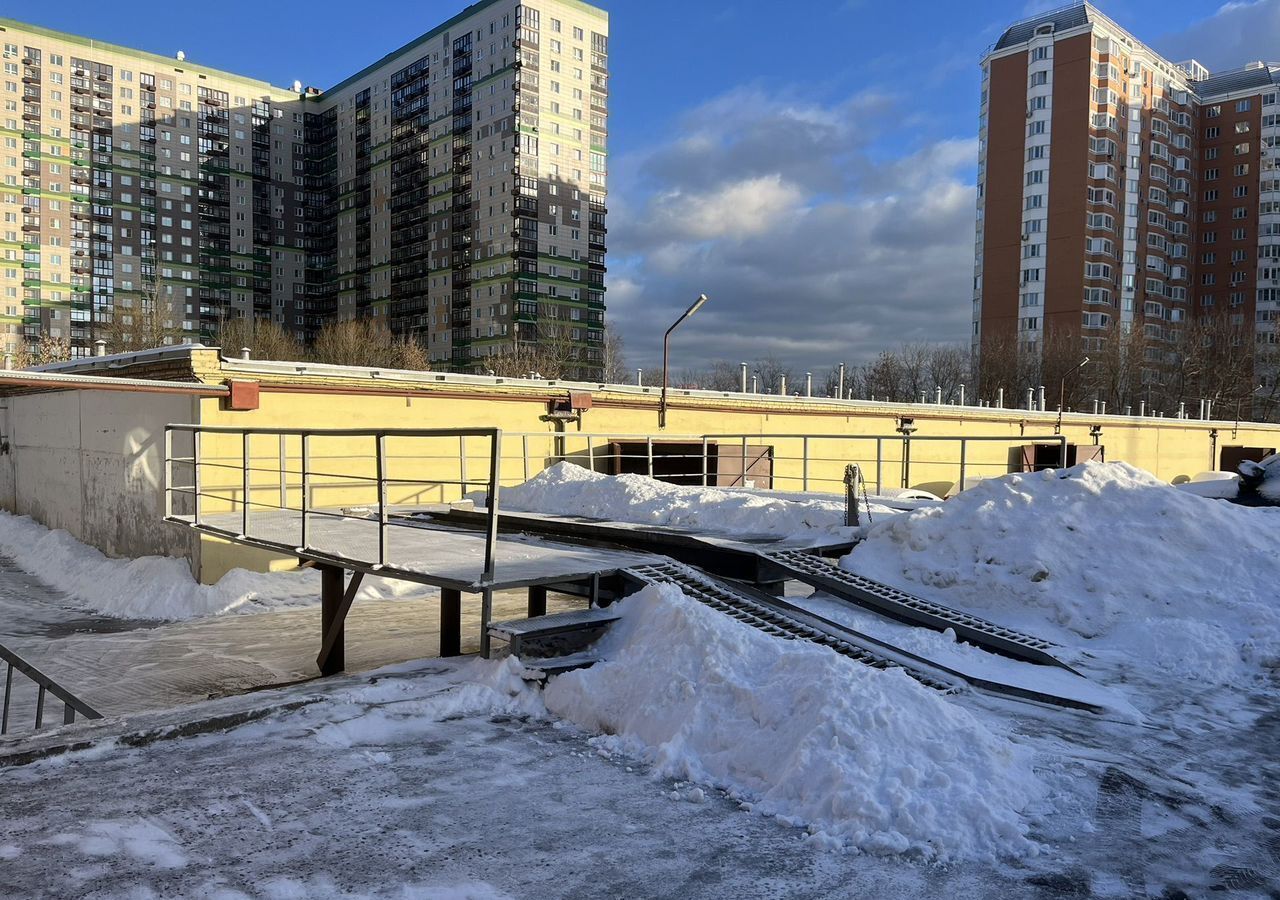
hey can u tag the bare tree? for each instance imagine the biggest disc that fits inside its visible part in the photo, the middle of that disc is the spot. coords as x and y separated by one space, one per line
555 355
264 338
144 324
42 352
615 361
366 342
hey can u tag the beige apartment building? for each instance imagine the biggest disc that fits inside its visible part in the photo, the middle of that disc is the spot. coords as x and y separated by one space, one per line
1121 191
455 189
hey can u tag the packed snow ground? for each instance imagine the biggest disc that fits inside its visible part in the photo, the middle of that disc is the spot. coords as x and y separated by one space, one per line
1150 580
1103 557
162 588
568 489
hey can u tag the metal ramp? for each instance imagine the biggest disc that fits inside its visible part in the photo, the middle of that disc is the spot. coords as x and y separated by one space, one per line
824 575
781 619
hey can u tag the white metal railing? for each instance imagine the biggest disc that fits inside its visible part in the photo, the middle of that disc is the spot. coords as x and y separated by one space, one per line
358 472
787 462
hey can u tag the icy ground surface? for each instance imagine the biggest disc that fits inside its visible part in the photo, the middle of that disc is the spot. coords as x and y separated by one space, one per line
423 786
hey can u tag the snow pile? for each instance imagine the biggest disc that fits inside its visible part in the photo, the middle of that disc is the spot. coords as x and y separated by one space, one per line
863 758
1104 552
158 587
569 489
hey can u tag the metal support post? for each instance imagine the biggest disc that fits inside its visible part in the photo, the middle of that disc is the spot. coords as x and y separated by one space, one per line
167 473
537 600
381 442
331 591
195 471
284 484
804 466
306 488
491 503
879 465
450 622
851 478
245 487
486 617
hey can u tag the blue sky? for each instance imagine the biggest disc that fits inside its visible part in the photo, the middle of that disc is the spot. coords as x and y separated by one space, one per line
808 164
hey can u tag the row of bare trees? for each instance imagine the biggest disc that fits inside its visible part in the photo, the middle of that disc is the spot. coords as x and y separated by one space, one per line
1210 360
362 342
1207 359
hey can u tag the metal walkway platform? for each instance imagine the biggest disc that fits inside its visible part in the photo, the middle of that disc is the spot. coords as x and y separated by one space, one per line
909 609
738 556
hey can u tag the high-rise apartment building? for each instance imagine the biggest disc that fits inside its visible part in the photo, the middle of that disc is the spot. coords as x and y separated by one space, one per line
455 189
1122 193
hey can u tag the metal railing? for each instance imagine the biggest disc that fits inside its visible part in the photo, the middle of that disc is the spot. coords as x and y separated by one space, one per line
784 462
225 483
71 705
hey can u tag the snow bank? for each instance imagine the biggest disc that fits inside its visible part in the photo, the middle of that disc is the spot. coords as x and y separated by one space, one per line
569 489
863 758
158 587
1103 552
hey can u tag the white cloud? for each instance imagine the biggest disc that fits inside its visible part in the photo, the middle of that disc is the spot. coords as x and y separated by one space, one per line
812 247
741 209
1235 34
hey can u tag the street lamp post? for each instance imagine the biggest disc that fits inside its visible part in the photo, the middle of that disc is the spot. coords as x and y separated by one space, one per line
666 354
1062 395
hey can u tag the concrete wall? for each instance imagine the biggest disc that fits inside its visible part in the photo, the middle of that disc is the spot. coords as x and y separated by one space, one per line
90 462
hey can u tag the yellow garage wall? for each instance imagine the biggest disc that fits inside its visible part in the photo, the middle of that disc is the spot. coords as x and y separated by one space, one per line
1171 449
837 432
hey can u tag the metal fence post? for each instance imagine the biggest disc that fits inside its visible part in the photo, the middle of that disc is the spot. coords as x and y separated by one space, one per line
704 461
649 453
381 441
591 454
491 533
284 487
525 444
879 465
306 487
804 465
906 460
195 472
462 464
246 487
964 443
167 473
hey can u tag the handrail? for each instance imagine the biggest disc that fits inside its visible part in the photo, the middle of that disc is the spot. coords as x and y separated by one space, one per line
71 703
379 481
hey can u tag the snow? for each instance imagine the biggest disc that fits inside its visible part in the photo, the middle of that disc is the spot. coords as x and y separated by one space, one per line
1102 556
862 758
943 649
157 587
571 490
